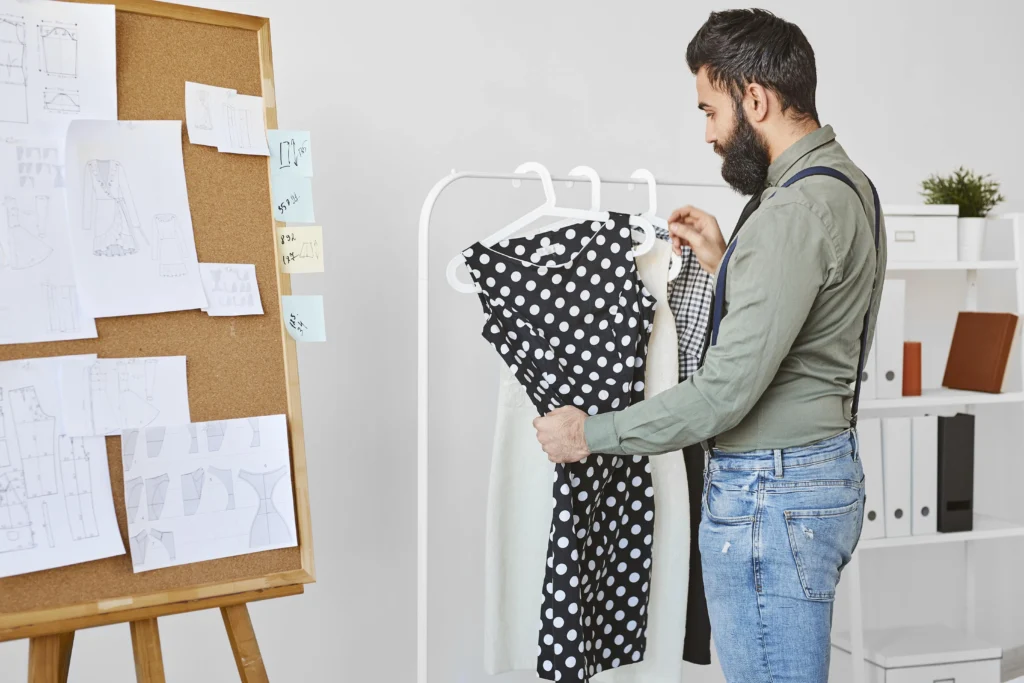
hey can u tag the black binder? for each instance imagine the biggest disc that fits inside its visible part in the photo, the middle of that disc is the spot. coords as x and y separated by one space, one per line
956 473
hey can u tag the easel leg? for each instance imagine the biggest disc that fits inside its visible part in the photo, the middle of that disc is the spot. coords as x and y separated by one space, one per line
49 658
149 661
243 644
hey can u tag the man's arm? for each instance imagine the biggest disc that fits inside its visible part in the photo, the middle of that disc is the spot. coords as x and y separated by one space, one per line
780 263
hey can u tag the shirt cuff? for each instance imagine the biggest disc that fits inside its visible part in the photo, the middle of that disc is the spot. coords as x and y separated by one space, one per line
599 432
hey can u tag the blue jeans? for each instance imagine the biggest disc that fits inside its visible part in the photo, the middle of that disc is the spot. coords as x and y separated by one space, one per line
777 528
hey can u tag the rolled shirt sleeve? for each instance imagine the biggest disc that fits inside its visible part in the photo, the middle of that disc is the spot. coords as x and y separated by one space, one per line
781 261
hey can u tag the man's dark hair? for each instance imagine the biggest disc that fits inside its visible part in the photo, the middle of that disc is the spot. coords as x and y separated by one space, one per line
745 46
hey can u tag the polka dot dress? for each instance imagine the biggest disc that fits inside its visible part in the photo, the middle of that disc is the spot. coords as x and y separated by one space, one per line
569 316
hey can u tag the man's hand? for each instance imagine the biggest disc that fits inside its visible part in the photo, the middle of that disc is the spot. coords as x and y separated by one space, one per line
700 231
560 434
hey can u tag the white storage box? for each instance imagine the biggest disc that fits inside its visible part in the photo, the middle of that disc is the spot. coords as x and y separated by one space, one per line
918 654
921 233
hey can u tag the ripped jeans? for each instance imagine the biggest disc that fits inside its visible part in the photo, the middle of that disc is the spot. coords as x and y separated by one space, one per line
777 527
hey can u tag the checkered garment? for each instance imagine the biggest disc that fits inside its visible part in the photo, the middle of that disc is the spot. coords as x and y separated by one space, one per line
689 297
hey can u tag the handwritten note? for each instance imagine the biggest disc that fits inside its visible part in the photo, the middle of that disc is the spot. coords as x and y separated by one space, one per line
293 199
291 153
304 317
231 289
300 249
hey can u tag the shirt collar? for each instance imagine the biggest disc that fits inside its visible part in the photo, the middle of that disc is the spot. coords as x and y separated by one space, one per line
797 151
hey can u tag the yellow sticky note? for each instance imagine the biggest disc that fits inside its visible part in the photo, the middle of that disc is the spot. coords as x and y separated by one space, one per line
300 249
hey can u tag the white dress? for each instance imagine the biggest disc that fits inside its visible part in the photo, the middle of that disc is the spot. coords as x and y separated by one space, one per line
519 519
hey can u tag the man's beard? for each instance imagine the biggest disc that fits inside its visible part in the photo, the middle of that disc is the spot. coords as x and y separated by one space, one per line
745 157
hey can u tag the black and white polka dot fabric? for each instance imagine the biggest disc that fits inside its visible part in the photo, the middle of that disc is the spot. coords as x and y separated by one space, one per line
568 313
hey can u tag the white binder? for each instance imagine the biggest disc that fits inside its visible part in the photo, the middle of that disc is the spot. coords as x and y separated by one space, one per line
869 437
925 474
889 340
868 385
896 463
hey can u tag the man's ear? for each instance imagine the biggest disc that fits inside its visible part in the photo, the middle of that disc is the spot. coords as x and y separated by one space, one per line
755 102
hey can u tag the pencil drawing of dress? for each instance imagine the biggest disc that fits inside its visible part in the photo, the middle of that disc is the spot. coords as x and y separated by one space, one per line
168 248
109 210
26 248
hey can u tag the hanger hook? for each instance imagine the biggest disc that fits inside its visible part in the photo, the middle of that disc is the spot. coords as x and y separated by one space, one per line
545 179
652 189
595 184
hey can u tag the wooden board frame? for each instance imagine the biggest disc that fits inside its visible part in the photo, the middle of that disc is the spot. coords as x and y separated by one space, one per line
127 608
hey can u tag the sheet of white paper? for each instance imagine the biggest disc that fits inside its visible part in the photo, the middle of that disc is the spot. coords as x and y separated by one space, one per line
38 296
242 128
203 491
56 506
131 229
57 63
231 289
108 395
291 153
202 102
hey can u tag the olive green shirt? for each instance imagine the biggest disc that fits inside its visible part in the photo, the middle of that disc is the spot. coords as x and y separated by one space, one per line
801 277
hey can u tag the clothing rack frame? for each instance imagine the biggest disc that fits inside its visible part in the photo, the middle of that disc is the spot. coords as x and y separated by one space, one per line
423 358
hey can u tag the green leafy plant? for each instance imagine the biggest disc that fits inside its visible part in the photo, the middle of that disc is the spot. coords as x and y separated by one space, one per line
975 194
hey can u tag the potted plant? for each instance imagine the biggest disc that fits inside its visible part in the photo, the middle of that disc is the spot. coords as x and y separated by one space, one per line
976 195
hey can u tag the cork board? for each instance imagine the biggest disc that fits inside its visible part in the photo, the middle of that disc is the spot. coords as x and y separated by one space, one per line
237 367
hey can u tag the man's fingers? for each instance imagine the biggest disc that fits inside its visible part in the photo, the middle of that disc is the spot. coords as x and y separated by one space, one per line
687 234
690 213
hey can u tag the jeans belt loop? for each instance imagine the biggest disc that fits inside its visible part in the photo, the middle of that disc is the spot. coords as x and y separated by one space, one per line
777 452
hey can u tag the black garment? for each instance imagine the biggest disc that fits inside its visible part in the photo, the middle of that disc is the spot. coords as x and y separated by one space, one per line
697 642
569 315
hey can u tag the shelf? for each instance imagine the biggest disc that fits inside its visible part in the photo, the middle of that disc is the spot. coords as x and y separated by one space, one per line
985 528
938 398
951 265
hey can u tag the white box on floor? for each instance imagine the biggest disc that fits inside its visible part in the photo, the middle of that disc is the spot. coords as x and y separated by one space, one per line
918 654
921 233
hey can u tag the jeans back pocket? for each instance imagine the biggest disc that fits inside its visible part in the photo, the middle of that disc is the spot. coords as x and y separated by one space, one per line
822 542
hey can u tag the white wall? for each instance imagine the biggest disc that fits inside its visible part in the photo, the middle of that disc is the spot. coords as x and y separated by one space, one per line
398 93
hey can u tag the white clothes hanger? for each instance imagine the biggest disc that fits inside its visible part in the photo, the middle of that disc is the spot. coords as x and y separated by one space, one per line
548 208
675 262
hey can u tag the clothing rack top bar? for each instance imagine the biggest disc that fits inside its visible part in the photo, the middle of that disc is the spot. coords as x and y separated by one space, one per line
578 179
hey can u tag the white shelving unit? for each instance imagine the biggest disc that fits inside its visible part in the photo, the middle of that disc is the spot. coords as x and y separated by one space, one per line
986 528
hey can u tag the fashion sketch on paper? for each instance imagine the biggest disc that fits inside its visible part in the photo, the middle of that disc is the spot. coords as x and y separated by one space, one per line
13 75
168 245
108 209
25 246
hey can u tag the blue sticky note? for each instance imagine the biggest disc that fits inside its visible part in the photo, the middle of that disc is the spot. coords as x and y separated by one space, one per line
293 199
291 153
304 317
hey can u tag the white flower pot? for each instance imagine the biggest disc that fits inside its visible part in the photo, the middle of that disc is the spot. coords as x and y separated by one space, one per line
970 238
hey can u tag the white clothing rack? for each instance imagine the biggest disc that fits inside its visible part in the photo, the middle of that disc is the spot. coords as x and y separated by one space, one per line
422 394
852 575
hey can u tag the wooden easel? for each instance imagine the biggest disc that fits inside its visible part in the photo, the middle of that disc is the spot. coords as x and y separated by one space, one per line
49 656
159 45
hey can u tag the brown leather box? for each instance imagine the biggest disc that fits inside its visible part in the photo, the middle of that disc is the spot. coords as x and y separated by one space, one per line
979 352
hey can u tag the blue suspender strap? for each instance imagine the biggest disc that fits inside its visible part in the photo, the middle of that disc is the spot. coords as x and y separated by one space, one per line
718 311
